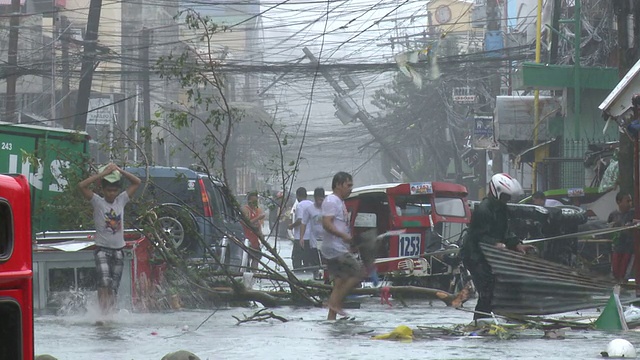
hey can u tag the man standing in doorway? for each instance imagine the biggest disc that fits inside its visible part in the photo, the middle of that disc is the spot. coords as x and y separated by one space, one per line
337 246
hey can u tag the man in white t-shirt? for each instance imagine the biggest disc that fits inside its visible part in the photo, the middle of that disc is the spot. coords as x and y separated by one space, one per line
300 246
108 215
342 263
312 225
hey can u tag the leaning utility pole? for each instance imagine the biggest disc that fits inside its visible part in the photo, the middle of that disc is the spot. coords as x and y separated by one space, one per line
397 156
12 61
88 63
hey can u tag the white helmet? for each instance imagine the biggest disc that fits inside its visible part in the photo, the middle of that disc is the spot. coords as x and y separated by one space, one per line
620 348
504 184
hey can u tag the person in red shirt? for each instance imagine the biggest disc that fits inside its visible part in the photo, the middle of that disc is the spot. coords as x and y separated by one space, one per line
253 230
622 256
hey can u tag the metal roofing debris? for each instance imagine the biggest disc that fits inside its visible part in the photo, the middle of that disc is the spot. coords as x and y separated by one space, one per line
529 285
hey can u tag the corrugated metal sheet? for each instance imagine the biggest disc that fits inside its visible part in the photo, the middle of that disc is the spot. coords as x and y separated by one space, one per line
528 285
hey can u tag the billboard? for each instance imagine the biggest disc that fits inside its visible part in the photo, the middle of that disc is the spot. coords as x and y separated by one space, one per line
44 155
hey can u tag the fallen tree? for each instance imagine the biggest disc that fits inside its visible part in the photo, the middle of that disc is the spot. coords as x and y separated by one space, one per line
280 298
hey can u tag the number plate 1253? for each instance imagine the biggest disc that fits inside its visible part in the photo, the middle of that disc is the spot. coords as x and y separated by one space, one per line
409 245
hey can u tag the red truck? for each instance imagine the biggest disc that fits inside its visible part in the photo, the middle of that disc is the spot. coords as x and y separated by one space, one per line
16 271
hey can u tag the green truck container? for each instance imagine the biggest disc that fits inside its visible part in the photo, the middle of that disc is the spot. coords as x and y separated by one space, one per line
46 156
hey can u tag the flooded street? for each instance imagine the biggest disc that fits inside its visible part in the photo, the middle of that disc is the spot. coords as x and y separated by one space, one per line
306 336
149 336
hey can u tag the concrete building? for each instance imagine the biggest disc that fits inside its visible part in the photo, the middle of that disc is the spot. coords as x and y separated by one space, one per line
32 92
455 19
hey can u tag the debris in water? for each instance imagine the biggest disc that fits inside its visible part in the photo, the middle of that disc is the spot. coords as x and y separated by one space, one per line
402 333
260 315
557 334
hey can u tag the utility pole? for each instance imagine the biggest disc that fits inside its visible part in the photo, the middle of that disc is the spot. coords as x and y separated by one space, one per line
577 54
54 36
88 63
536 100
457 159
136 124
145 43
496 158
12 61
555 24
397 156
66 90
492 29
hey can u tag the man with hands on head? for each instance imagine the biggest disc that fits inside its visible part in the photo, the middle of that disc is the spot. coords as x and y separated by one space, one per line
108 215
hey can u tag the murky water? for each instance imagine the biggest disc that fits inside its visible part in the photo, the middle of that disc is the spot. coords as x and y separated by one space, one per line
306 335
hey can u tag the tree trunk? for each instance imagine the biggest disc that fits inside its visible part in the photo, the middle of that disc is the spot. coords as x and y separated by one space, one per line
279 298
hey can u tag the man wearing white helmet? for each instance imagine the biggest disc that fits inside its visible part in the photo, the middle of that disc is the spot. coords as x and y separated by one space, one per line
489 225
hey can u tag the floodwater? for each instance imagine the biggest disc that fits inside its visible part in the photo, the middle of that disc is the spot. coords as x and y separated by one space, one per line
305 336
216 334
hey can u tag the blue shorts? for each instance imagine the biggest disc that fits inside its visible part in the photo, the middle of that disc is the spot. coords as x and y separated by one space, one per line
109 266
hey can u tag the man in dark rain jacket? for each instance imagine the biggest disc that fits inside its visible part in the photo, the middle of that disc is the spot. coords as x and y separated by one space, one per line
489 225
